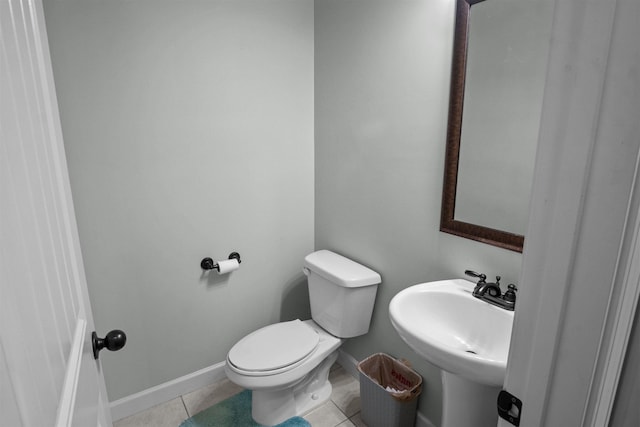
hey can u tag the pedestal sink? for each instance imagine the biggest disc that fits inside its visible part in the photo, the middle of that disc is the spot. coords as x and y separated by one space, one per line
467 338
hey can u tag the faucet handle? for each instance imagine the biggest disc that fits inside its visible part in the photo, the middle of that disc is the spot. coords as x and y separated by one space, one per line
498 280
480 276
510 295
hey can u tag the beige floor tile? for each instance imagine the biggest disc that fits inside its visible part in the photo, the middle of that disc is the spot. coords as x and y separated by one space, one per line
168 414
327 415
205 397
357 421
346 391
345 423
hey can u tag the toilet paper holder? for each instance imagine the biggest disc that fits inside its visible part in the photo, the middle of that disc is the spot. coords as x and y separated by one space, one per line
210 264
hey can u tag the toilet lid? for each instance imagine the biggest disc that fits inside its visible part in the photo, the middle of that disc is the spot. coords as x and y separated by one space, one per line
274 346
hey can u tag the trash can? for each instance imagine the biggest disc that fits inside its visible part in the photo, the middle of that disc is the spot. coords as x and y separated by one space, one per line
389 391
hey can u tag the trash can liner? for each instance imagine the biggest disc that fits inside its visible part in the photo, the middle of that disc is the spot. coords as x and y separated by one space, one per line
389 391
395 376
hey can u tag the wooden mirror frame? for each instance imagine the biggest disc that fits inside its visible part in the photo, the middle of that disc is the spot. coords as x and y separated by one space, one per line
448 224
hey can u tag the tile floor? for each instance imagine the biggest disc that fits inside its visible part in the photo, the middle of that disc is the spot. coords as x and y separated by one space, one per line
343 409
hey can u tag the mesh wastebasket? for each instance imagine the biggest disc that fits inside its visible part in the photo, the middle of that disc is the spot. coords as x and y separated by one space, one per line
389 392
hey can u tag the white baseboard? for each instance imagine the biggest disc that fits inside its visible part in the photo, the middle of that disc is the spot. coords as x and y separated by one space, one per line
161 393
350 364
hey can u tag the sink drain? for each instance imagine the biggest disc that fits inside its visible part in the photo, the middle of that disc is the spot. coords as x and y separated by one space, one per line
470 351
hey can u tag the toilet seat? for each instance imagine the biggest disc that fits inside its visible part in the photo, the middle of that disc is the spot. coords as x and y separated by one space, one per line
273 349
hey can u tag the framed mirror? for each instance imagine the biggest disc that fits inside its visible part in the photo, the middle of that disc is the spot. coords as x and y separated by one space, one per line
497 79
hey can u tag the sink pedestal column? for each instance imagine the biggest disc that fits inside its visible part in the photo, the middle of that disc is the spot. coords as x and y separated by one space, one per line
467 403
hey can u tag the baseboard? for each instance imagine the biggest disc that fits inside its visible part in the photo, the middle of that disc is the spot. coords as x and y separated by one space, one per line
153 396
350 364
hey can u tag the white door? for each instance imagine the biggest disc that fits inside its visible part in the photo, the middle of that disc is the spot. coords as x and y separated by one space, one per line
581 268
48 376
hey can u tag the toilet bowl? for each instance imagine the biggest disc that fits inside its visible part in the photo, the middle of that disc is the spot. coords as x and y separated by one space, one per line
286 364
290 379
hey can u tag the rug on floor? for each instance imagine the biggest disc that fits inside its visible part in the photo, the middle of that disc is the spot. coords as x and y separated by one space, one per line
234 412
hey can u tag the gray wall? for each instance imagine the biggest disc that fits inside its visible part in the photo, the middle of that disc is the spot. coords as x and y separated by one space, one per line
381 95
189 132
188 127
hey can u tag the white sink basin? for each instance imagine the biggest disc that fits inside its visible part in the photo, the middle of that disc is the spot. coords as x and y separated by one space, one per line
444 323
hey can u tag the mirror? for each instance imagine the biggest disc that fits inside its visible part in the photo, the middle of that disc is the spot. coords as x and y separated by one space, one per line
497 80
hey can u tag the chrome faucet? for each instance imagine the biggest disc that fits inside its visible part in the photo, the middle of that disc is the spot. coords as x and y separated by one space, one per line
491 292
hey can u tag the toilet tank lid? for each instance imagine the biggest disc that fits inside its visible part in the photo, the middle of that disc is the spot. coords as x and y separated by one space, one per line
340 270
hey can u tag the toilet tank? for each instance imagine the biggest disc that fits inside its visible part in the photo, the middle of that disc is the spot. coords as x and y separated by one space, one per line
341 292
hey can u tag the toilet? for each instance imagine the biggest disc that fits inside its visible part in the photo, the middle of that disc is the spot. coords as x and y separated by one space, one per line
286 364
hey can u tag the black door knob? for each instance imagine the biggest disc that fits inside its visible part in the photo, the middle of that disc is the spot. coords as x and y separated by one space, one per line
114 341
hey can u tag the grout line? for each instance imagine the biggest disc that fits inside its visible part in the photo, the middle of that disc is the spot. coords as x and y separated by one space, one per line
185 407
352 417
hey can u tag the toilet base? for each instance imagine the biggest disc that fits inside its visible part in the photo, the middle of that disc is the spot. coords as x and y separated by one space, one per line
271 407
